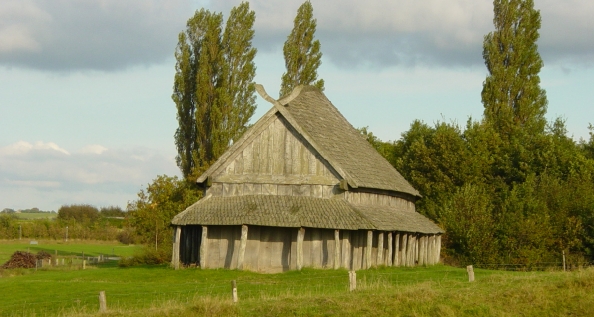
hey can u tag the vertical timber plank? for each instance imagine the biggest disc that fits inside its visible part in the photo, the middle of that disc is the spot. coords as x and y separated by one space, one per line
336 249
390 249
300 235
369 248
243 243
380 248
204 247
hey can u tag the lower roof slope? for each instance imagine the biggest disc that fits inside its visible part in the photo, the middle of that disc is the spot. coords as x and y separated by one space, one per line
297 211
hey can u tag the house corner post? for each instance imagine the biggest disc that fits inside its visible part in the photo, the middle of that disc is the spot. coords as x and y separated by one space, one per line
175 257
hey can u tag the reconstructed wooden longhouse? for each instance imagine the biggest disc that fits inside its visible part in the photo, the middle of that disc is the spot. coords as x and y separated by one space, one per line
303 188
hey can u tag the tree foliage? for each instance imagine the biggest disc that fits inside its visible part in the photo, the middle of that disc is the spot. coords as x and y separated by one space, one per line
151 214
302 53
213 86
510 188
80 213
511 94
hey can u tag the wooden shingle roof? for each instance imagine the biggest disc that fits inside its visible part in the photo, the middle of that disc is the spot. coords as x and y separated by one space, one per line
360 163
300 211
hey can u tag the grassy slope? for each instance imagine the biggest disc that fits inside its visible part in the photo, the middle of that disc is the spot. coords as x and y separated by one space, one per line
36 215
436 291
73 247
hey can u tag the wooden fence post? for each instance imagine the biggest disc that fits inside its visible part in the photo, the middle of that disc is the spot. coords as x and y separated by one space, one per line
102 302
470 271
234 290
352 280
563 260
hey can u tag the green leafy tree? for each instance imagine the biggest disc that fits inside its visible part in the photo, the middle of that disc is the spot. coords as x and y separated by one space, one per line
511 94
213 86
302 53
151 214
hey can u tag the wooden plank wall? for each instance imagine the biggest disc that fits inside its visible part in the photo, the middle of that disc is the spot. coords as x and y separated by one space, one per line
271 249
238 189
276 154
363 198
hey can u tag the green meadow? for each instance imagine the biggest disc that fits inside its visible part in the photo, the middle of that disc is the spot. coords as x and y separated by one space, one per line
66 248
161 291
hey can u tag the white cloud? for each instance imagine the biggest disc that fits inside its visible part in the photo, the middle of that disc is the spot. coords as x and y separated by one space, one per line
93 149
27 168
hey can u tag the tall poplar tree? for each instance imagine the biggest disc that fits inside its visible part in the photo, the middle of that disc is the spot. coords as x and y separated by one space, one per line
213 86
511 94
302 53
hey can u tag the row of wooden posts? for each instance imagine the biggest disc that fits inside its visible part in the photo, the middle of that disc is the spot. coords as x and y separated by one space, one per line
235 297
404 249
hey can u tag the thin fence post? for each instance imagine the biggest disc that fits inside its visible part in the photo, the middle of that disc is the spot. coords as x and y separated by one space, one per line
470 271
102 302
352 280
234 290
84 264
563 260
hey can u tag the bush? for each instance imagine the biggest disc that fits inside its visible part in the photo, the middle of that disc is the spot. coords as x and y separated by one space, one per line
147 256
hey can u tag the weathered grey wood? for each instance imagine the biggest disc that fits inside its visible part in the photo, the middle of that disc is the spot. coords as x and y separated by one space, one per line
248 159
390 249
336 249
102 302
276 179
176 246
265 254
346 249
422 250
316 248
286 190
295 159
311 161
352 281
397 256
409 250
269 189
438 247
380 248
234 291
415 250
204 247
368 249
403 251
257 144
242 245
300 235
253 247
470 271
279 148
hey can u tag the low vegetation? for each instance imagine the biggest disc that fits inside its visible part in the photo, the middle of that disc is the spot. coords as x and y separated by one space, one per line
162 291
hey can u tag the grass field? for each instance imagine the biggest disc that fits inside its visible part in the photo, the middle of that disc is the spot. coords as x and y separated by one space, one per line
70 248
161 291
36 215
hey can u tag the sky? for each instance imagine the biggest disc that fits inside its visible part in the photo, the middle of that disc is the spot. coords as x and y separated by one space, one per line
86 115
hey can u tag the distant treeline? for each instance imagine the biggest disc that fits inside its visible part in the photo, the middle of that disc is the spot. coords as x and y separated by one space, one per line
83 222
25 211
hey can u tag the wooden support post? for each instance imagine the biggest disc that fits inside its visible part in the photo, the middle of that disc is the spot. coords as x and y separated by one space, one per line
380 248
397 257
437 248
102 302
422 250
390 249
242 245
204 247
415 250
409 250
563 260
300 235
176 246
352 281
404 251
234 291
336 249
368 249
470 271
